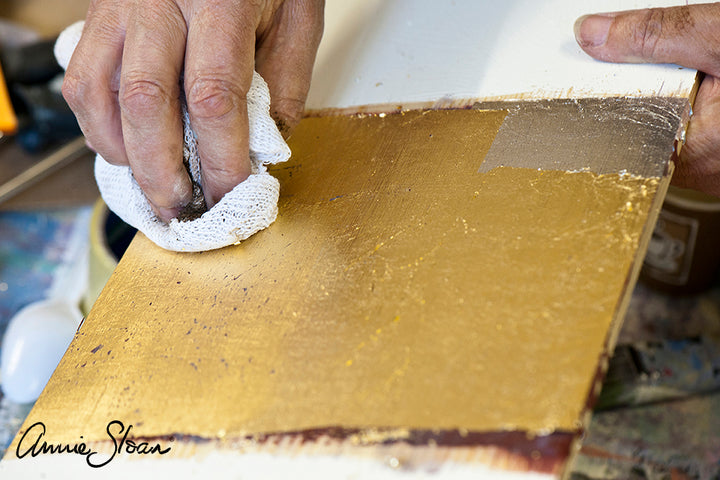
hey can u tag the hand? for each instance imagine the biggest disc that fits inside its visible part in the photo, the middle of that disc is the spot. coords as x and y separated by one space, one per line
687 36
125 78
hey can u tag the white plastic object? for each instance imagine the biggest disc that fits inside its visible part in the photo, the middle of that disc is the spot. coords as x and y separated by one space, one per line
38 335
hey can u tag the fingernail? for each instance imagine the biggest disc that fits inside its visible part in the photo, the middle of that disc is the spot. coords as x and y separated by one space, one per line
592 30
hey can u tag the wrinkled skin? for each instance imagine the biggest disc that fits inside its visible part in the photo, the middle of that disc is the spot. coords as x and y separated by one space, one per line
136 57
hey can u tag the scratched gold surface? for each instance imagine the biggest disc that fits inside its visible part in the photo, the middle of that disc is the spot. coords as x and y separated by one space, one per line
398 288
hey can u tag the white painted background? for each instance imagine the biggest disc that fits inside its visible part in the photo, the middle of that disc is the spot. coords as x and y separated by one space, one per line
403 51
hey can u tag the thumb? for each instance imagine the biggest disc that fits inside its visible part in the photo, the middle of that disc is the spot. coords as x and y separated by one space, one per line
687 35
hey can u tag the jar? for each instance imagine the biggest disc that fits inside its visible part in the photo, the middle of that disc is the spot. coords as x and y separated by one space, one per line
683 255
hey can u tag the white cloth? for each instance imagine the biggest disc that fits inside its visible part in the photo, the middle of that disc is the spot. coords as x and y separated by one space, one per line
250 207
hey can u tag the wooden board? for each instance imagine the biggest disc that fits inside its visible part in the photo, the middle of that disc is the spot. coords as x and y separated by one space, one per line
438 296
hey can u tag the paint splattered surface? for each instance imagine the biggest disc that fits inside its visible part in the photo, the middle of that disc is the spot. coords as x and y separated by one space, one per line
678 437
32 245
32 248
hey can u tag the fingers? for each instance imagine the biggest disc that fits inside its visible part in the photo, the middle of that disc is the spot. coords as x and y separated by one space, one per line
149 99
131 115
218 73
699 164
92 81
123 83
686 35
285 58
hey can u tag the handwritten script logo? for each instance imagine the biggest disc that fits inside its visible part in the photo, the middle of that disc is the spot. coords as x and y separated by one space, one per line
33 444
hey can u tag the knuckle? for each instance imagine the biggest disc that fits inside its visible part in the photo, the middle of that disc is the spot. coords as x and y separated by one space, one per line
75 90
210 98
142 96
649 31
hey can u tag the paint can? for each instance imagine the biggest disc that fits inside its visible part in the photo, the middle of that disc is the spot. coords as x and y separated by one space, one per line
683 256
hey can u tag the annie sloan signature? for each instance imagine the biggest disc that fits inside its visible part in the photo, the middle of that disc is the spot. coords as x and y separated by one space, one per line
32 443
